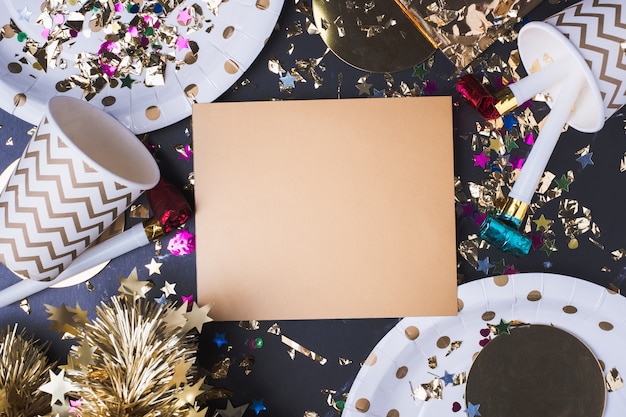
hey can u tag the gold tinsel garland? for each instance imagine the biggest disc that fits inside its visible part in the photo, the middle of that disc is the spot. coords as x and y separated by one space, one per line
135 359
24 367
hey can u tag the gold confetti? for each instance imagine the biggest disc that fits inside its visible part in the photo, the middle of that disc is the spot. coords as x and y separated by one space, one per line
249 325
139 211
432 362
220 369
427 391
344 361
454 346
306 352
247 363
614 380
25 306
274 329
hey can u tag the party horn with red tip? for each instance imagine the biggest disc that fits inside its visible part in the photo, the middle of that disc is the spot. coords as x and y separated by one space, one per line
576 58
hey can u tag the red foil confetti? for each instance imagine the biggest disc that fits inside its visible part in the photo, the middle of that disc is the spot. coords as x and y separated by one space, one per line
183 243
478 97
168 205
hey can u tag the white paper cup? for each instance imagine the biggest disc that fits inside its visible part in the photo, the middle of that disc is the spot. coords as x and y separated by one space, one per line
80 171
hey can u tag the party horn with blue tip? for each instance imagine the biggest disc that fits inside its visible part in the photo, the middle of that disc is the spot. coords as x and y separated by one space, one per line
576 58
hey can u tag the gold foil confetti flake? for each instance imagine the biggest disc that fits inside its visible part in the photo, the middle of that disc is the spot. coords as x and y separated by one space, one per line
618 254
468 249
309 413
158 247
454 346
622 163
596 242
459 379
304 7
249 325
294 30
311 29
274 329
273 64
427 391
247 363
344 362
90 287
432 362
25 306
9 141
220 369
306 352
139 211
545 182
614 380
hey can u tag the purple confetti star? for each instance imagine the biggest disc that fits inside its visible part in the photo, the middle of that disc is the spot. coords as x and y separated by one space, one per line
187 299
480 160
510 270
185 152
468 209
536 240
184 17
430 87
529 139
517 162
479 218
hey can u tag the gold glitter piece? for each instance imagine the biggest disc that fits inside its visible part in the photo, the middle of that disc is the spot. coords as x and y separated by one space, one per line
139 211
25 306
614 380
247 363
9 141
220 369
432 362
428 391
306 352
274 329
618 254
344 361
250 325
459 379
454 346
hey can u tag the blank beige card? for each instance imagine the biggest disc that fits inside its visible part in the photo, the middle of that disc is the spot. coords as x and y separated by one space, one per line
317 209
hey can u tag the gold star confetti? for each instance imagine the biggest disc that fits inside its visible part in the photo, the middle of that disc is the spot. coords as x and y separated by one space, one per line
197 317
80 315
133 287
63 320
58 386
542 223
181 370
231 411
175 318
168 289
154 267
189 393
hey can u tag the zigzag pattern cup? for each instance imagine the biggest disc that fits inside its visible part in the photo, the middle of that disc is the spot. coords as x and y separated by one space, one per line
80 170
597 29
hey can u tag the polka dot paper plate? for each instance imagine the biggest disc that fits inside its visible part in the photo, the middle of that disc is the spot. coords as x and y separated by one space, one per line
143 61
420 367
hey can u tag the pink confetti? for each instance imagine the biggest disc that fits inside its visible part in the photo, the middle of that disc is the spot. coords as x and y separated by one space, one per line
182 43
184 17
183 243
529 139
517 162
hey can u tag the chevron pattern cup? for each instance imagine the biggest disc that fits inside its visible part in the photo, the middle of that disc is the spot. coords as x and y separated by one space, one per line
80 170
598 29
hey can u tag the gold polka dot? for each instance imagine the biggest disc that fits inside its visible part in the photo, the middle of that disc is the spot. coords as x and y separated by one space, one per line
8 31
15 67
573 243
108 101
262 4
570 309
191 91
362 405
113 83
231 66
501 280
475 355
443 342
534 295
371 359
605 325
191 58
459 304
412 332
19 100
228 32
612 289
401 372
153 112
393 413
488 315
37 66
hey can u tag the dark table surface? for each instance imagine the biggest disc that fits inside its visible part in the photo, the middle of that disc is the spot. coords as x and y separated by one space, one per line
295 386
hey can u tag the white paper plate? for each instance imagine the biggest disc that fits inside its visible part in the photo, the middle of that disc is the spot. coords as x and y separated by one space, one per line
399 362
228 42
